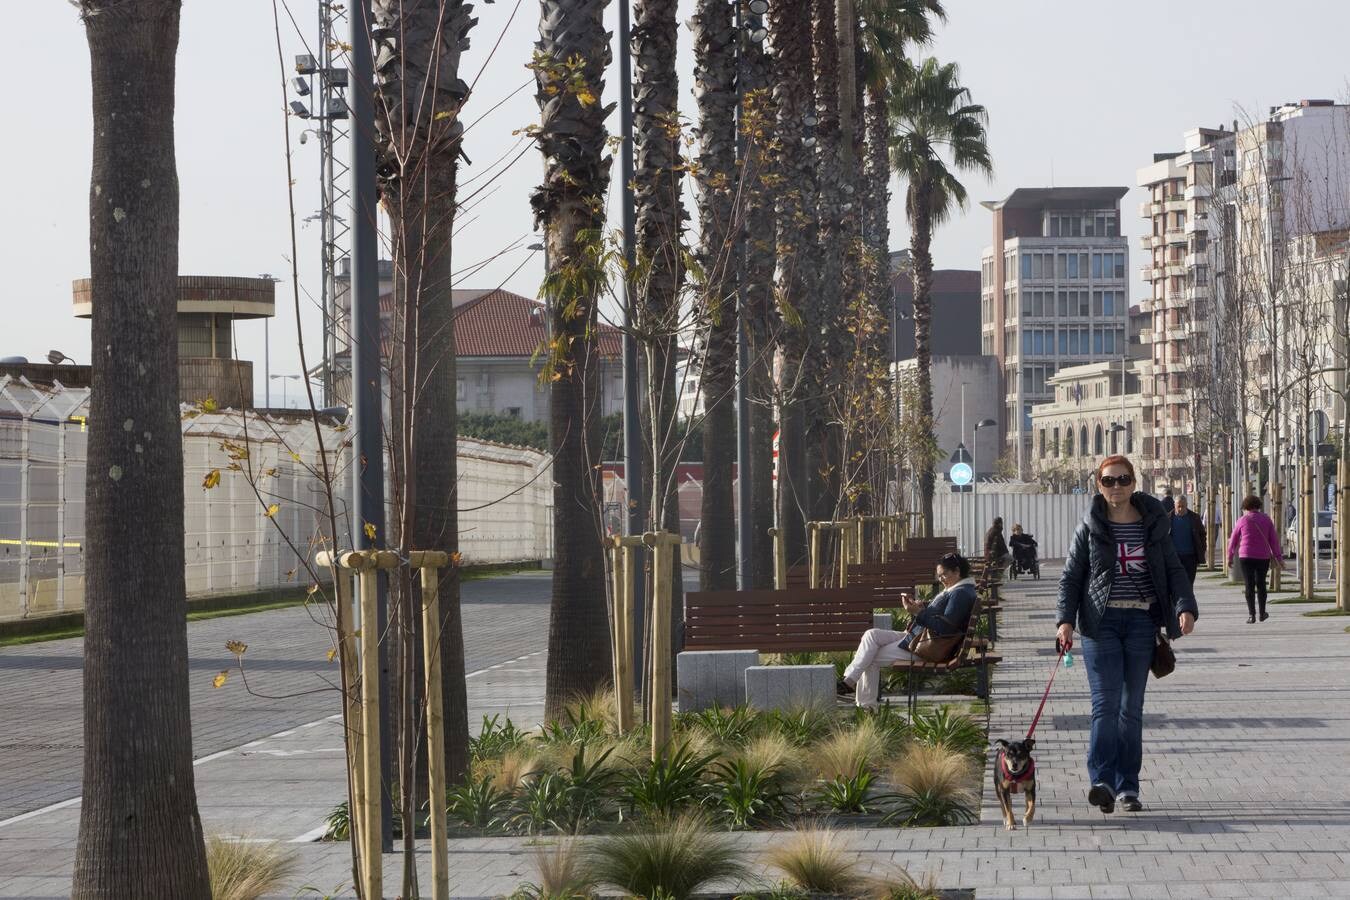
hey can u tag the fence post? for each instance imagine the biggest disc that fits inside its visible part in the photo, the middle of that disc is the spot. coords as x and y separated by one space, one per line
813 533
1277 513
779 559
429 562
623 550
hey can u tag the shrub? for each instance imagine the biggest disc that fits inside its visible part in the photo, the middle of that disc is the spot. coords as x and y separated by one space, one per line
590 785
513 768
494 740
772 752
478 804
815 860
801 726
669 783
747 795
960 681
542 804
900 885
731 725
954 731
675 860
848 793
849 750
890 725
242 870
339 823
562 875
934 787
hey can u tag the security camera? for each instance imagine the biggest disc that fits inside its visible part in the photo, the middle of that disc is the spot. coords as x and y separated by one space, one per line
304 137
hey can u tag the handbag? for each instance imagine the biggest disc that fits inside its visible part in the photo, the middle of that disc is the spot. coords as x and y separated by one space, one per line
936 648
1164 657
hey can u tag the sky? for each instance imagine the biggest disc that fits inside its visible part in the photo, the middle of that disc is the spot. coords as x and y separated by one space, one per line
1079 92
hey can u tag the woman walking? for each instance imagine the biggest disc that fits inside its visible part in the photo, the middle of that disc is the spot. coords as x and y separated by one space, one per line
996 554
1255 542
1122 582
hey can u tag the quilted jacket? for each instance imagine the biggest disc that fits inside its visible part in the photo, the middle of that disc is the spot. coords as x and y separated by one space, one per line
1085 585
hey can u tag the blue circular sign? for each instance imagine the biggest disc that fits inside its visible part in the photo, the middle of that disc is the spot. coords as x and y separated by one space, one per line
961 474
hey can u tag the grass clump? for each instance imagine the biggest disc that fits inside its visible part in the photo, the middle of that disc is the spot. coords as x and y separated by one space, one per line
563 875
935 787
815 860
900 885
673 860
241 870
952 730
849 750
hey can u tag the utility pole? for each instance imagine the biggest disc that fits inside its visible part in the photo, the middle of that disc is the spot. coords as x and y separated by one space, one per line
632 426
367 417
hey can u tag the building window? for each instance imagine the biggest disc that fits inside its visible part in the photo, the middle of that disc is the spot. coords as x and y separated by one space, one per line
1068 445
460 390
1026 265
1058 449
513 412
1062 266
1097 440
1082 439
1041 438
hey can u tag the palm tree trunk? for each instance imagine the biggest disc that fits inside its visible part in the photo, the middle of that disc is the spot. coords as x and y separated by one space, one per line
715 80
570 207
877 239
658 177
760 166
795 211
922 262
825 439
140 833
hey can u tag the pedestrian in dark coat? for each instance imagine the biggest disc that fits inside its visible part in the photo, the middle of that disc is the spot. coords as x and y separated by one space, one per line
1188 536
1121 583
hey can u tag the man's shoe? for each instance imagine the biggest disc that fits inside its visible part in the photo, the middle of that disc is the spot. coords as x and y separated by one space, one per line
1130 803
1251 620
1101 797
843 688
1264 616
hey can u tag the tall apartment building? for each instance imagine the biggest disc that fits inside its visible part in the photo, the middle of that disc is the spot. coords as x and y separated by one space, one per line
1052 294
1247 236
1176 268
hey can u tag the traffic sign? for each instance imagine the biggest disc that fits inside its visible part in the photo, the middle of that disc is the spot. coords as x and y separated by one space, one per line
961 473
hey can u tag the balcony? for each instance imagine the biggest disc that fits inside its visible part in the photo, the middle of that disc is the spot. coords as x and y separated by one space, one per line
1197 291
1146 336
1197 223
1175 269
1196 191
1148 209
1147 274
1175 235
1146 241
1175 203
1181 398
1194 259
1177 333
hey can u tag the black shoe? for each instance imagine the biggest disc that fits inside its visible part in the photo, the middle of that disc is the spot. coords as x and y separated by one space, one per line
843 688
1264 616
1101 797
1251 620
1130 803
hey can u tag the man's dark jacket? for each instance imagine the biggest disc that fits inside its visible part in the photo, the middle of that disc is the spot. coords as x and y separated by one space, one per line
1091 568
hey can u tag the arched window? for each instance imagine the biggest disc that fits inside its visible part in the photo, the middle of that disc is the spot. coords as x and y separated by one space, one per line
1068 443
1097 440
1082 440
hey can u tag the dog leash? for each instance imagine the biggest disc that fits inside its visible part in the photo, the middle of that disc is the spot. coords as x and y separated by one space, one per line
1046 696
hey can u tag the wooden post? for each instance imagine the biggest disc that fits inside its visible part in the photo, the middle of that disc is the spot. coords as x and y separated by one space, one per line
1276 513
813 533
369 785
1227 523
1342 532
904 531
661 544
623 550
779 558
430 563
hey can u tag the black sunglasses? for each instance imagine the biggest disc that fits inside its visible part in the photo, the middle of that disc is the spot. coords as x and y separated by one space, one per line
1117 480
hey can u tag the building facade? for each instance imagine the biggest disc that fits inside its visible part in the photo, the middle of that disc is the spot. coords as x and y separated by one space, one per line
1096 410
1053 294
955 297
965 391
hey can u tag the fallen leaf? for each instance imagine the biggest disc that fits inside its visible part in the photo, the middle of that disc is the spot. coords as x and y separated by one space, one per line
219 680
331 654
369 529
211 480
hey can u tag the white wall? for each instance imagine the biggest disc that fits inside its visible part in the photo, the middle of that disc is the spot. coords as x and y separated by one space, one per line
1050 518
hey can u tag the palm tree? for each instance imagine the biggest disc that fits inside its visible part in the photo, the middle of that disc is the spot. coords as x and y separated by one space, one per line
795 237
933 122
570 59
417 52
658 176
715 88
140 833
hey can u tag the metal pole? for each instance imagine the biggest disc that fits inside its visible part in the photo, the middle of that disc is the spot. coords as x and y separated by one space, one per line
632 426
367 418
267 365
744 521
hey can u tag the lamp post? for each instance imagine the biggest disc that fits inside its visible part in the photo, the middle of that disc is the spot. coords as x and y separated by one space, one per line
56 357
1116 428
975 472
283 379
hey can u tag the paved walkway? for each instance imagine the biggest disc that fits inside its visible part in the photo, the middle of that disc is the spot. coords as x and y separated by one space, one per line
1246 779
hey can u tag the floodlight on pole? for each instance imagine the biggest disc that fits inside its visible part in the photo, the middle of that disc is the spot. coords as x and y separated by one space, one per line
56 357
301 85
299 109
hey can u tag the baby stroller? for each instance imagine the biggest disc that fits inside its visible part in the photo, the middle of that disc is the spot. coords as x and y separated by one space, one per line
1023 548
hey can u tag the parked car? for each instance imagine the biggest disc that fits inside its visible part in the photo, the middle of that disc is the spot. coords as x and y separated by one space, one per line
1321 534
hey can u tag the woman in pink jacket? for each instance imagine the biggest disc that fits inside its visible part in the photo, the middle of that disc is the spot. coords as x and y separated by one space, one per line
1255 542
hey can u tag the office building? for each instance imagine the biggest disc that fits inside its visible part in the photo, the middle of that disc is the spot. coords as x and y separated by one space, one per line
1053 294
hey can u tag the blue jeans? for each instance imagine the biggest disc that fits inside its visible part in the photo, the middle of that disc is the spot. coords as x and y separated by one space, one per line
1117 662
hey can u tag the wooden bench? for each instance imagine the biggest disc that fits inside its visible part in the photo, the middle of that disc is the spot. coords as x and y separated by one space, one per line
887 581
933 548
973 653
793 620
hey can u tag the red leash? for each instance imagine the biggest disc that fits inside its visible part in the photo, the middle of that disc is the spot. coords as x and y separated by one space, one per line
1046 695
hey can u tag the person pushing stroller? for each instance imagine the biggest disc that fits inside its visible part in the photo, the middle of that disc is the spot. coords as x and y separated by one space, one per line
1023 548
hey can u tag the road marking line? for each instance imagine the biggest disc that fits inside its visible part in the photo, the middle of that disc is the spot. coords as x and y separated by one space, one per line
310 836
39 812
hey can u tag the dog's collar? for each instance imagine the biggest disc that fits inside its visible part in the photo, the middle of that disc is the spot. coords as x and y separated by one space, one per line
1015 777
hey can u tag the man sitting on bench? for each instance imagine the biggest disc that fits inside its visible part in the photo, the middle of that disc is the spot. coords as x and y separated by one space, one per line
947 616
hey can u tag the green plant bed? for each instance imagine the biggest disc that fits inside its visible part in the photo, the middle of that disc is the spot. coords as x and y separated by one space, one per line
1318 613
1301 599
737 768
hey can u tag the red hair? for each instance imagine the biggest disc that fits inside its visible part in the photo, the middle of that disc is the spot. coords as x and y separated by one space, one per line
1116 460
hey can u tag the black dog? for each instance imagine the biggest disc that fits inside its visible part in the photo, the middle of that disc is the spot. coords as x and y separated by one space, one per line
1015 770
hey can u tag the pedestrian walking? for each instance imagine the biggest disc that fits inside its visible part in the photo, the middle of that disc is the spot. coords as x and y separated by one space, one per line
1121 583
1188 536
1167 503
1256 544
